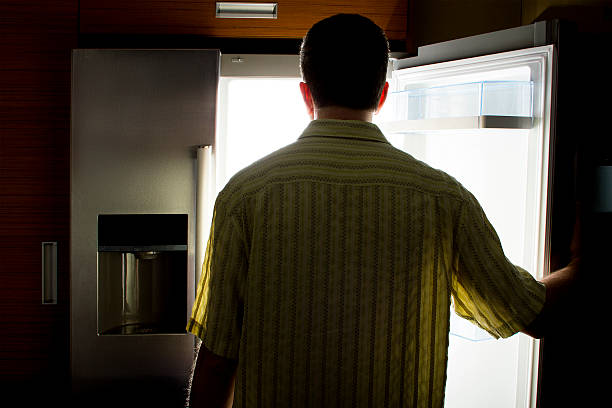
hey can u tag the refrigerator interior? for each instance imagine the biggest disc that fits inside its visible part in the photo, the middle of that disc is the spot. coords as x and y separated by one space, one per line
506 169
439 114
256 116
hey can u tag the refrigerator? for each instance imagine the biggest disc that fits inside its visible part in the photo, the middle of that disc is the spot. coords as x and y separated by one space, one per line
142 135
483 110
146 126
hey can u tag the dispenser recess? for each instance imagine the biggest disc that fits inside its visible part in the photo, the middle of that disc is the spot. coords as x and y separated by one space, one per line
142 274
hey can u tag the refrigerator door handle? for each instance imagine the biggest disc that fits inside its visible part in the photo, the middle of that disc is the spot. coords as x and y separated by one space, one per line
49 273
204 203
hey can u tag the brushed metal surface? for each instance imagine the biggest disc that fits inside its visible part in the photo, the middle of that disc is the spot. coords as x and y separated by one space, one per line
137 118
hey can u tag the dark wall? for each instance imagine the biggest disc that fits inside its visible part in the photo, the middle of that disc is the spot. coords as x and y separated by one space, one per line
574 354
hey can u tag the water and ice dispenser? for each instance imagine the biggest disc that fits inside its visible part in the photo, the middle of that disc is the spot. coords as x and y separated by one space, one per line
142 274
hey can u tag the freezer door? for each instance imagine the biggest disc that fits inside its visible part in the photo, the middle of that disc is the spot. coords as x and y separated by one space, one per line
487 121
138 117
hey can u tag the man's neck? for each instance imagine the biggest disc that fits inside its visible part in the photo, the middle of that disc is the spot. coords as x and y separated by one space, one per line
342 113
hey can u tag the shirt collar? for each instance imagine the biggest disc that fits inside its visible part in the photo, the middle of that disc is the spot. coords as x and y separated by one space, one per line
348 129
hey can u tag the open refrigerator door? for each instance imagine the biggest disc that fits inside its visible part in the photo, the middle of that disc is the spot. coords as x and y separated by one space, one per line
487 122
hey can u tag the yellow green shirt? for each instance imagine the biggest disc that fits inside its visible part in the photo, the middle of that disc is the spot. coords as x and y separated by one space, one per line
330 270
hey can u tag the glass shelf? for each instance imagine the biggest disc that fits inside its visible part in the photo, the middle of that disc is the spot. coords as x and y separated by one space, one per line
466 330
474 105
466 122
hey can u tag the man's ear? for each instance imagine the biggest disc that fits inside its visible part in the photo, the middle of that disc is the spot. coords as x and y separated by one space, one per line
307 96
383 97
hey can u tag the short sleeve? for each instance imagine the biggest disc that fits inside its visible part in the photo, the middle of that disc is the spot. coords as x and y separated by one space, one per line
487 288
216 317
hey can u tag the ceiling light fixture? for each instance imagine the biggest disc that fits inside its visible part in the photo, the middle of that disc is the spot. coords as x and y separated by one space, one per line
227 9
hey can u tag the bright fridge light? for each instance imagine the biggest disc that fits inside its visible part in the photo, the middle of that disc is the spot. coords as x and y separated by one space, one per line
257 117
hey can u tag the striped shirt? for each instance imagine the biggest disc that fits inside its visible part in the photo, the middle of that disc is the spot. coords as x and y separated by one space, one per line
330 271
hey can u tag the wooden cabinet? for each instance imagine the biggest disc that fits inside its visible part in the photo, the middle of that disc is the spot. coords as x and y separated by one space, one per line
198 17
35 42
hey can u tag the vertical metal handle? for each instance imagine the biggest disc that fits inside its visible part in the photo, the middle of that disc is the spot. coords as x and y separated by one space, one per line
603 193
204 204
49 273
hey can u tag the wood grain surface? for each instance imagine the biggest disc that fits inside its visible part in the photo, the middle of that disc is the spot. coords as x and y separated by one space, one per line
198 17
35 42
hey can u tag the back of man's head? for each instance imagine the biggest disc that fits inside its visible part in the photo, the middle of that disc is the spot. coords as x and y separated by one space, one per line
343 60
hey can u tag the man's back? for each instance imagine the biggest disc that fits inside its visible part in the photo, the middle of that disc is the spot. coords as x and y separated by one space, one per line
330 272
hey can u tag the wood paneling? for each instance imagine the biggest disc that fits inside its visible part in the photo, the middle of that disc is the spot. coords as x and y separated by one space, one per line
443 20
35 42
198 17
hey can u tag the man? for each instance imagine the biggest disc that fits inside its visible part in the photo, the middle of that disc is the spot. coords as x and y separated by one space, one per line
332 262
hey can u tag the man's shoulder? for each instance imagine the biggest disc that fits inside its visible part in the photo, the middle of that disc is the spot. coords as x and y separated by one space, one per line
253 177
424 177
340 163
262 167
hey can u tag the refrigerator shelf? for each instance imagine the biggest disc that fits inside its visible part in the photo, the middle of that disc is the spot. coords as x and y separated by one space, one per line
460 100
465 122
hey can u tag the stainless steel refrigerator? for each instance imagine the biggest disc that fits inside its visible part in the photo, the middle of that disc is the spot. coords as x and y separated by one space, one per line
143 127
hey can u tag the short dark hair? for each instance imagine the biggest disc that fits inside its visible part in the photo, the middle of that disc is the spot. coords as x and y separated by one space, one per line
343 60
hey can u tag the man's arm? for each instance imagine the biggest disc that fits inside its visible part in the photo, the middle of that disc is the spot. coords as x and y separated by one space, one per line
213 381
558 285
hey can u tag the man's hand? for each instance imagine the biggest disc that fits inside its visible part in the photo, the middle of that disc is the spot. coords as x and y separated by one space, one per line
558 285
